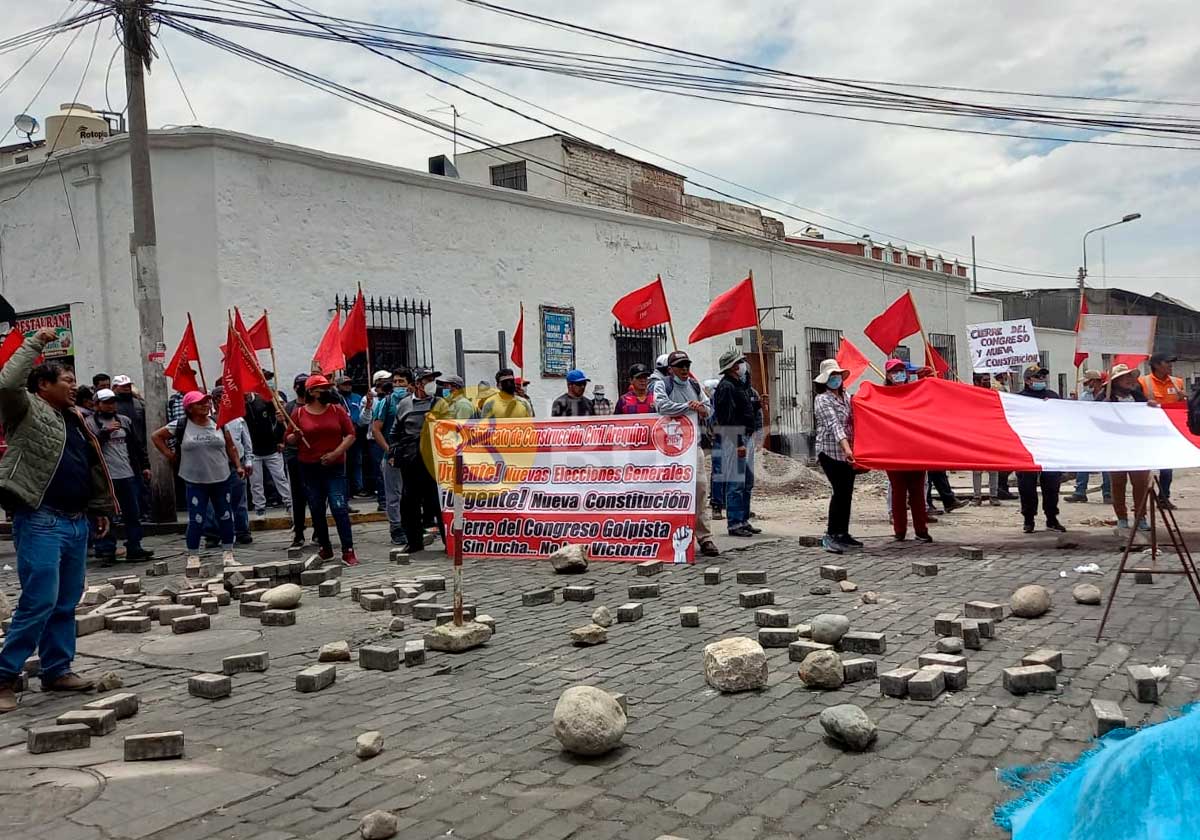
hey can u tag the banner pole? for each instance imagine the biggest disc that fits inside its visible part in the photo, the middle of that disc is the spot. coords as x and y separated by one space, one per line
456 530
369 373
279 407
199 364
271 343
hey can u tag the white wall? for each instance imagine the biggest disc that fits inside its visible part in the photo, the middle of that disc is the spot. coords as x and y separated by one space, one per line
545 163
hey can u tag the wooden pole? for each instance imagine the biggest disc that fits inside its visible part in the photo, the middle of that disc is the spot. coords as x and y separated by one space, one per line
199 364
369 372
921 325
271 344
279 407
670 321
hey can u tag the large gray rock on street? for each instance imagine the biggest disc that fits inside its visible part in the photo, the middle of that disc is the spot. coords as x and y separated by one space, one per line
451 638
602 616
588 721
589 634
283 597
368 744
828 629
737 664
1086 593
378 825
849 725
334 652
1031 601
570 560
822 669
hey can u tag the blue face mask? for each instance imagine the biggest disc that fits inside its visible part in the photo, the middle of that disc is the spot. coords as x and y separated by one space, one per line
899 378
1037 386
399 392
679 380
446 393
834 382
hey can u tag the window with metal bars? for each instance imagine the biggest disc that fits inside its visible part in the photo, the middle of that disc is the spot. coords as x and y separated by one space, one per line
636 347
903 353
822 344
945 344
510 175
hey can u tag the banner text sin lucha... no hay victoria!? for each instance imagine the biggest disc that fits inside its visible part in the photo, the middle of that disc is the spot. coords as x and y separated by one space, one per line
622 487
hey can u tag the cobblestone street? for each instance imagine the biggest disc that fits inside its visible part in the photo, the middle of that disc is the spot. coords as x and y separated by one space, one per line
470 750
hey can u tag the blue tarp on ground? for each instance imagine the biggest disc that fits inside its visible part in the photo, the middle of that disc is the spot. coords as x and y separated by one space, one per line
1142 785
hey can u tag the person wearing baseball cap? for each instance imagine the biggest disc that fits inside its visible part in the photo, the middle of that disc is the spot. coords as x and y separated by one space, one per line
326 434
573 403
680 395
453 402
1028 482
1094 389
506 402
1161 387
420 499
638 399
123 459
132 406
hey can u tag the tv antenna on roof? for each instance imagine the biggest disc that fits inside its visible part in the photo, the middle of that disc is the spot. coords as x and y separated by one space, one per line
453 110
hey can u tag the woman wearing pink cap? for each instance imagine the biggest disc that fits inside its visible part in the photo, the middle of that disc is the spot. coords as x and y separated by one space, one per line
203 454
326 432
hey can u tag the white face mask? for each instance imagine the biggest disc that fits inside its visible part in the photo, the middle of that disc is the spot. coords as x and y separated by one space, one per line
743 371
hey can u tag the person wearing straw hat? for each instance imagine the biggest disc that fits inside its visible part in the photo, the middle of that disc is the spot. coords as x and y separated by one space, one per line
1095 386
834 420
1123 387
734 426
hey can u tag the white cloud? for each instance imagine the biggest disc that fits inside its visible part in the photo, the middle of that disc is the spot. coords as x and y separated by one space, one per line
1027 205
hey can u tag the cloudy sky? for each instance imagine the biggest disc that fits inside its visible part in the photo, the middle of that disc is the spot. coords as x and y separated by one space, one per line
1027 202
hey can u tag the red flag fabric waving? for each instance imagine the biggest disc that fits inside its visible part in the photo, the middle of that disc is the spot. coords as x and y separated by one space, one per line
179 368
233 400
329 356
643 308
183 378
518 345
934 360
12 342
897 322
250 370
852 359
733 310
354 331
260 334
1130 360
1080 358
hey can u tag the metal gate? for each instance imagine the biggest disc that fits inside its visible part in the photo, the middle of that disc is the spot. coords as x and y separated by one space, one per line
636 347
399 335
788 437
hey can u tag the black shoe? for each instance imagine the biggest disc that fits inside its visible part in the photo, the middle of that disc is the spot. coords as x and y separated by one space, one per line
107 559
752 528
752 515
244 539
953 505
1005 495
139 554
709 549
717 513
846 539
898 537
1166 504
1055 525
925 538
1075 497
1028 526
297 541
741 531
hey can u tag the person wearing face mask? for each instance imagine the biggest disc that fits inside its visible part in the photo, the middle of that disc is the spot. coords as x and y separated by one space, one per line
505 403
734 427
327 435
906 488
452 402
292 462
115 433
391 483
1027 482
1095 388
1123 386
984 380
353 403
420 503
1163 388
682 396
834 420
573 403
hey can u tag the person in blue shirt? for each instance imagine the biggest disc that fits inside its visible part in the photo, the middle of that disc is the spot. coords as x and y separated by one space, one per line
381 429
353 403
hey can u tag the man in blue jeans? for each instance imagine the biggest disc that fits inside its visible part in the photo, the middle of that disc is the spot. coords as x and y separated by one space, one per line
51 477
124 461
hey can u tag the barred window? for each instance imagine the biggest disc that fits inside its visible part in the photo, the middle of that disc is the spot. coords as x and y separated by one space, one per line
510 175
945 344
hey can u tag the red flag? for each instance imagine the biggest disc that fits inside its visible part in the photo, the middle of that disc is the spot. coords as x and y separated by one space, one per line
179 369
328 355
250 370
12 342
934 360
733 310
233 401
260 334
354 331
183 378
851 358
897 322
1080 358
1130 360
644 307
518 346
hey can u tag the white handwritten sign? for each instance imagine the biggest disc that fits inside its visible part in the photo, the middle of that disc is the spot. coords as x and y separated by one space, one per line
1117 334
1001 345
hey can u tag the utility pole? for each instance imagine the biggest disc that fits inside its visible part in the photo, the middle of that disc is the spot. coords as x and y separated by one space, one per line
974 268
135 27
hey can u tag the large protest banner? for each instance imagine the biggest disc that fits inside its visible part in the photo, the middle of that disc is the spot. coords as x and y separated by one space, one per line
623 487
1002 345
1117 334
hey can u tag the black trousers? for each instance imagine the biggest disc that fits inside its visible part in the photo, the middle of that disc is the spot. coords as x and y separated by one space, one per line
420 502
1027 487
841 479
299 500
938 480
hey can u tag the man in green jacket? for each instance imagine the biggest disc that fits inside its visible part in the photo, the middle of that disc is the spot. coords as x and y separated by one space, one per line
51 478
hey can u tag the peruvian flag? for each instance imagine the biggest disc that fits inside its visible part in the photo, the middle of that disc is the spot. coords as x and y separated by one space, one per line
518 345
1080 358
896 323
941 425
850 358
328 356
733 310
179 369
354 331
643 308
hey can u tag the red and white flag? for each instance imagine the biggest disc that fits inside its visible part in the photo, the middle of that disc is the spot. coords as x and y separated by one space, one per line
941 425
1080 357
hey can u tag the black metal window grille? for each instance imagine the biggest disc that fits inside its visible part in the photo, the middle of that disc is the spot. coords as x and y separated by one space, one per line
510 175
399 335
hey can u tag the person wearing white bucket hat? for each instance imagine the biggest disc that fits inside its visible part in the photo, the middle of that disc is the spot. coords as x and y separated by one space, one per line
834 422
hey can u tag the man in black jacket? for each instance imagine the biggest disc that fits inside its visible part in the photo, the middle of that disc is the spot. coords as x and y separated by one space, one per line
733 412
266 439
1027 482
420 500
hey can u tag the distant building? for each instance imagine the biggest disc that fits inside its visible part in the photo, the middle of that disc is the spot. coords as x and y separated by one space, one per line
19 153
887 253
72 126
569 169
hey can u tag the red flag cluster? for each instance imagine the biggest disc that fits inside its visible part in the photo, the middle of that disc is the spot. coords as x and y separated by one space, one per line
179 368
343 341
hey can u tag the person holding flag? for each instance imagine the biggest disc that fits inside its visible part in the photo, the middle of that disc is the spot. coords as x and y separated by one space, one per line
1027 482
907 486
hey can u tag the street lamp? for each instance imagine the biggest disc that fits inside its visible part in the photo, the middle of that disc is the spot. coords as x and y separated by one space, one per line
1128 217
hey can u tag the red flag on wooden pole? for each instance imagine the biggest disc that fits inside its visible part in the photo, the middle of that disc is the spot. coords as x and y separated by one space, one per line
518 343
233 400
328 356
354 331
934 360
179 368
643 308
898 321
733 310
852 359
260 333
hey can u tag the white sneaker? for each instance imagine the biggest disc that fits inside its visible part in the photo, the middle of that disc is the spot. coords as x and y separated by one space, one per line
193 561
227 558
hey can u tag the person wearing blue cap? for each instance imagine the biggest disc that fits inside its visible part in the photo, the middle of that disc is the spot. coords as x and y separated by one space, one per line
573 403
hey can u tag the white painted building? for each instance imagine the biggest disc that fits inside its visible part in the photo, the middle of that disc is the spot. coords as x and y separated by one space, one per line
247 222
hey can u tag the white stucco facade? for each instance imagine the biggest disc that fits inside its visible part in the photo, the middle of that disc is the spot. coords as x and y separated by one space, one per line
255 224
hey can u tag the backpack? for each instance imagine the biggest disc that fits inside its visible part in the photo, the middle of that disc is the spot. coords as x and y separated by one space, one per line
1193 417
